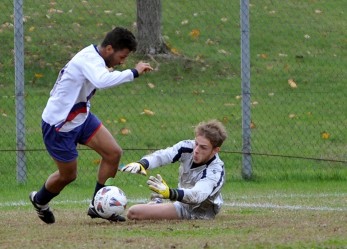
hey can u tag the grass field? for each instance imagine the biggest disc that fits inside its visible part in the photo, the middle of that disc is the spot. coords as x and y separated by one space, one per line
297 197
255 215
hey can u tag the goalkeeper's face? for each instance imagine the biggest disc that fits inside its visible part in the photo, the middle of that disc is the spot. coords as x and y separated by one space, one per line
203 150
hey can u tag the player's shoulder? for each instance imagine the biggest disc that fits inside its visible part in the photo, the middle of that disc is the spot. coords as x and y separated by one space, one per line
217 162
88 51
189 144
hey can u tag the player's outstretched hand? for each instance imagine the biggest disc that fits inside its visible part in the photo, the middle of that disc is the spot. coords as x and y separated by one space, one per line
143 67
135 168
158 185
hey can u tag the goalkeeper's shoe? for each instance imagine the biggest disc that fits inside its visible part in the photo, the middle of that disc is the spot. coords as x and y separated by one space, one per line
114 218
43 211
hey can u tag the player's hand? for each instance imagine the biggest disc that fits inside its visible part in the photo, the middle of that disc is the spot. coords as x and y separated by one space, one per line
158 185
143 67
135 168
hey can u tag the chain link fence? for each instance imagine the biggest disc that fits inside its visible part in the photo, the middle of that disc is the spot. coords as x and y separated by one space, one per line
297 95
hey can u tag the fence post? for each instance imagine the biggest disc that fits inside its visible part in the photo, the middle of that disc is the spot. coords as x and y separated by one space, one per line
246 91
19 90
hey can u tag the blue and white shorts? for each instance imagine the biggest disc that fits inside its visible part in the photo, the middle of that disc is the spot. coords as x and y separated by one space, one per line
62 146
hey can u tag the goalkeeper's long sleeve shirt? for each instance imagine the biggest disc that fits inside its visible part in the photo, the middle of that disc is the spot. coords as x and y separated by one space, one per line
198 185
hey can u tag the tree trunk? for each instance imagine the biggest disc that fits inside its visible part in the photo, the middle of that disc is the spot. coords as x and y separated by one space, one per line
150 41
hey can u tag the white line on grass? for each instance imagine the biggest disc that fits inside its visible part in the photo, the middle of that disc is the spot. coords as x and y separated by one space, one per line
289 207
230 204
281 195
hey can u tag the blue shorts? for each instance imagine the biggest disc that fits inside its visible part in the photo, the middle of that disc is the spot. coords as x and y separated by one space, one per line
62 146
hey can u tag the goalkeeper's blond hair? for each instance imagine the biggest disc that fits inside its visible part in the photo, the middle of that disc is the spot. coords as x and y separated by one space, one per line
213 130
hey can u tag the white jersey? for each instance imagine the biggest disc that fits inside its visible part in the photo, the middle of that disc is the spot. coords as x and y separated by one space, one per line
68 105
201 184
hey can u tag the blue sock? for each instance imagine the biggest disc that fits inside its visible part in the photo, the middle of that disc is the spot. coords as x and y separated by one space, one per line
43 196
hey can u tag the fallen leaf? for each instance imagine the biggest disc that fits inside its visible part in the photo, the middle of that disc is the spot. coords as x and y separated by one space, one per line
38 75
122 120
325 135
292 83
125 131
174 51
184 22
151 85
264 56
252 125
148 112
209 42
222 51
195 33
28 38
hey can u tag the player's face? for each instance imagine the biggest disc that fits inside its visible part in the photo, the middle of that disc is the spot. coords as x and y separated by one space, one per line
203 150
114 58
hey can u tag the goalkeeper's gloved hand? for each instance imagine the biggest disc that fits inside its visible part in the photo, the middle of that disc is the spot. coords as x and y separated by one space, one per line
135 168
158 185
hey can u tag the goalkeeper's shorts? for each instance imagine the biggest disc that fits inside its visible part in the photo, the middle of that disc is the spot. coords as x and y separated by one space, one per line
191 212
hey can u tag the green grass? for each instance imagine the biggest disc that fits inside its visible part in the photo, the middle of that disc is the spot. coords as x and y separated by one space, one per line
292 164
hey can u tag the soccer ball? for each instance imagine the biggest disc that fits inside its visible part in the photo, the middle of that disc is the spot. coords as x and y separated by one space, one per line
110 201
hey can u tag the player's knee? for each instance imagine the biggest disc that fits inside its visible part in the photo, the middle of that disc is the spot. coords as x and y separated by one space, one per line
132 214
118 151
114 155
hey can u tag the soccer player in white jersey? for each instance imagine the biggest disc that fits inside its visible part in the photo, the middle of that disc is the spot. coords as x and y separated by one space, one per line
201 177
67 120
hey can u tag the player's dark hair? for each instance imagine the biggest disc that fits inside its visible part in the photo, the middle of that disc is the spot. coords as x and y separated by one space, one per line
120 38
213 130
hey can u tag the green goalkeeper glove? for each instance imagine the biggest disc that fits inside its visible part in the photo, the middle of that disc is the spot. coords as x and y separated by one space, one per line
135 168
158 185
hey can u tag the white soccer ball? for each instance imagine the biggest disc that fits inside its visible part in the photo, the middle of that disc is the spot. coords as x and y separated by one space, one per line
110 201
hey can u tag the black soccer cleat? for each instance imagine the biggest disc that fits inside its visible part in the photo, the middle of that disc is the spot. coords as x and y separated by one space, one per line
114 218
43 211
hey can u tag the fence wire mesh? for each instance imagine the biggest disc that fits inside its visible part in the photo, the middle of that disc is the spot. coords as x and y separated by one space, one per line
298 78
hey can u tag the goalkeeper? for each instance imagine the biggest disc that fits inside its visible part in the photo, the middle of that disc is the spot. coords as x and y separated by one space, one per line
201 177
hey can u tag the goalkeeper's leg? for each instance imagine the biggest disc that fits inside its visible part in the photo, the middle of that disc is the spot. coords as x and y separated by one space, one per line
160 211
